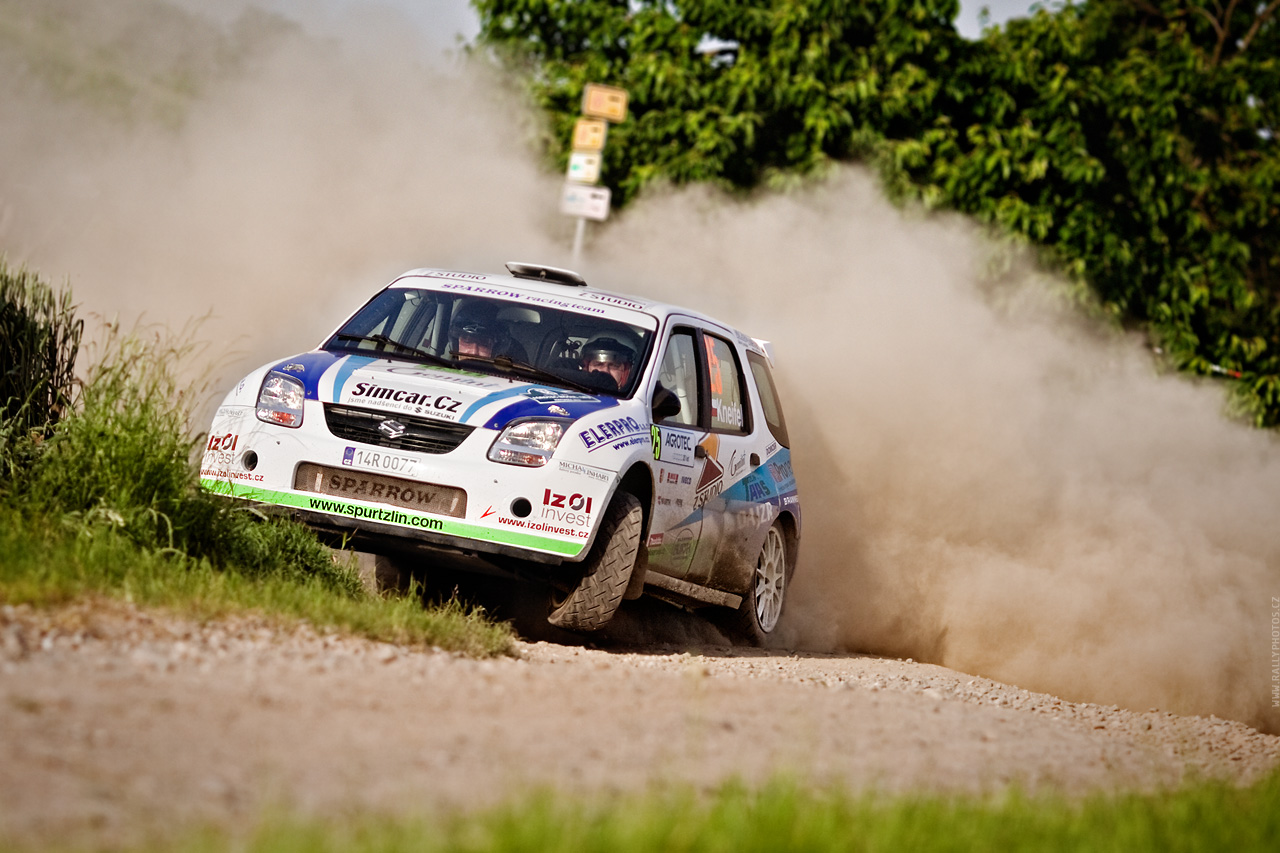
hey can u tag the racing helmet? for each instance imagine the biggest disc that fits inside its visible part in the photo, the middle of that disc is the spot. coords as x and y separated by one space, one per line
615 346
478 320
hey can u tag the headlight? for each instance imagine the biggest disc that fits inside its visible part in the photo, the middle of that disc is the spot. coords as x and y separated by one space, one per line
527 443
280 400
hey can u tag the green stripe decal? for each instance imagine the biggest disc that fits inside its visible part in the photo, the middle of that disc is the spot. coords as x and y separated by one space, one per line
391 515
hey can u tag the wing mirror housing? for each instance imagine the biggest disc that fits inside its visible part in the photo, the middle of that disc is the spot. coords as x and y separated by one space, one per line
665 404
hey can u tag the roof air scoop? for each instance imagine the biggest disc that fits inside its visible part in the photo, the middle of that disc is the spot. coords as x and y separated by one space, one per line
542 272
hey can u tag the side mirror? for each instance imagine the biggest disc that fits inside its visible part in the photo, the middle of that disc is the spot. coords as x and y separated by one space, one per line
665 404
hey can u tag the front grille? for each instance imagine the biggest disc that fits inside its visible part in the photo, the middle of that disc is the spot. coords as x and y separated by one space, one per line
423 435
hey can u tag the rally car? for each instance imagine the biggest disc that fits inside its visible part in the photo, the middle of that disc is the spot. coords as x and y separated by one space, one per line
606 445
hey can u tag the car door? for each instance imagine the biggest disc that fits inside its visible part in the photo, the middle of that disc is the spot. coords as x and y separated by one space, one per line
675 525
729 453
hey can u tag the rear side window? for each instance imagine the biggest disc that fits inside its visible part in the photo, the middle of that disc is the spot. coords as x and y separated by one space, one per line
728 409
769 398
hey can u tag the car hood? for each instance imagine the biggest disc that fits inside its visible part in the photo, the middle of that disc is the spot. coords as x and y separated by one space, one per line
424 390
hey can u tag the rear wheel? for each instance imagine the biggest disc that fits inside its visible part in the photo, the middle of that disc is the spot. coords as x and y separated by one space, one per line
756 618
595 598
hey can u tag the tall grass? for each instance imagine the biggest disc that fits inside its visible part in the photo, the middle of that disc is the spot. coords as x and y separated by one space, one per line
103 498
39 339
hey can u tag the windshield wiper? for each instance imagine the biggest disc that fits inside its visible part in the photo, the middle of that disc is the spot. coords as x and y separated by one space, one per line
503 362
399 347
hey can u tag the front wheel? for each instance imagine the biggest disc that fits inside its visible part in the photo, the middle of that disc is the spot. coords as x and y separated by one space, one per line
757 617
596 597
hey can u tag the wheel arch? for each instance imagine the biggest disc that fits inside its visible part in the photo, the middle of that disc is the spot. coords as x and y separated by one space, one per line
638 481
791 536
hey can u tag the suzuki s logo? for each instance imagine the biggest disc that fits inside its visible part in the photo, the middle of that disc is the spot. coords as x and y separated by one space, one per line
391 429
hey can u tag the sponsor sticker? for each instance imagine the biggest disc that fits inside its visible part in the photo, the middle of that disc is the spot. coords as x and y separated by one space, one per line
674 447
441 406
225 443
615 300
682 548
729 414
577 468
559 395
447 374
710 484
608 432
573 510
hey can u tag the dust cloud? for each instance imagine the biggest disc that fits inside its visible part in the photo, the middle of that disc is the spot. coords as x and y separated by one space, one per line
989 483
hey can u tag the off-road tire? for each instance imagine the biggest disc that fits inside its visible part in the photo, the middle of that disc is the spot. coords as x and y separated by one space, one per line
757 617
391 576
606 572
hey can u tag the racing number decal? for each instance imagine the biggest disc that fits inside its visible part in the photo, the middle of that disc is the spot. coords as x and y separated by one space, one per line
713 366
656 435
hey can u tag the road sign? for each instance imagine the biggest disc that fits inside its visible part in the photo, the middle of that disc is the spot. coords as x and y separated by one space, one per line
584 201
589 134
606 102
584 167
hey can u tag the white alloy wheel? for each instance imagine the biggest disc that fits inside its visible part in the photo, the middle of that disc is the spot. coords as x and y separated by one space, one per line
771 580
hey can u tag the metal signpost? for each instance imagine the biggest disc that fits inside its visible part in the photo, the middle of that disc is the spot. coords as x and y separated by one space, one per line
580 196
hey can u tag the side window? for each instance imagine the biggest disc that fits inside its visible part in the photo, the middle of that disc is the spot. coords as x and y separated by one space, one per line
679 375
728 409
769 398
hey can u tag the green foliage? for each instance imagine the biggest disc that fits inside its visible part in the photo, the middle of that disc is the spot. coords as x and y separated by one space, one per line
1133 142
39 337
806 77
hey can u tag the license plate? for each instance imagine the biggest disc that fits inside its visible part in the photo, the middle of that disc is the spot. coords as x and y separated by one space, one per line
381 460
377 488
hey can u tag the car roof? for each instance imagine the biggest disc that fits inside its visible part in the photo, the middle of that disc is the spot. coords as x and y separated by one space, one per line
567 285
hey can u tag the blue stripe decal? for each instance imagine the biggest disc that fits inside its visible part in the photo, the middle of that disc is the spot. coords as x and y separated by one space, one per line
307 368
348 367
489 398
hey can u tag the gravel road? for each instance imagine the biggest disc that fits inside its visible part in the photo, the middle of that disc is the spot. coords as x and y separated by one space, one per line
119 723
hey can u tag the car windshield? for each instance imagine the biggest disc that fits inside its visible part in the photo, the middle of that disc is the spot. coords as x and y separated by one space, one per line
557 346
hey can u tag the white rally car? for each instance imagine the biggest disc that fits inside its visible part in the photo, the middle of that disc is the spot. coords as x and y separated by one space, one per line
531 425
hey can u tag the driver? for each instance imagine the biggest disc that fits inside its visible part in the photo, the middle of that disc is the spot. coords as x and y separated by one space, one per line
476 330
605 353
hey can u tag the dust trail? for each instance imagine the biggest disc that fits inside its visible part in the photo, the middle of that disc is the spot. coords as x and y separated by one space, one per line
987 484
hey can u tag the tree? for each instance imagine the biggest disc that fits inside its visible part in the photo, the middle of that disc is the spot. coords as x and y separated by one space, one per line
1132 139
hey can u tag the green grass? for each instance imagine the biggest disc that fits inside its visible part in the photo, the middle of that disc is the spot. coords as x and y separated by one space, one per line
50 562
782 816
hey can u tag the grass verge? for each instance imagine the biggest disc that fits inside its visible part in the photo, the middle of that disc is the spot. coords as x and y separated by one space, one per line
51 562
779 816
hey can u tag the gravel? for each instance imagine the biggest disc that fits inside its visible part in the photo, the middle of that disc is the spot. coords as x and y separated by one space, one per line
121 723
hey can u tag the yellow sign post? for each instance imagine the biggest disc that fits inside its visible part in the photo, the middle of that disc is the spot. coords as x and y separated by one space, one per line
589 134
579 197
606 102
